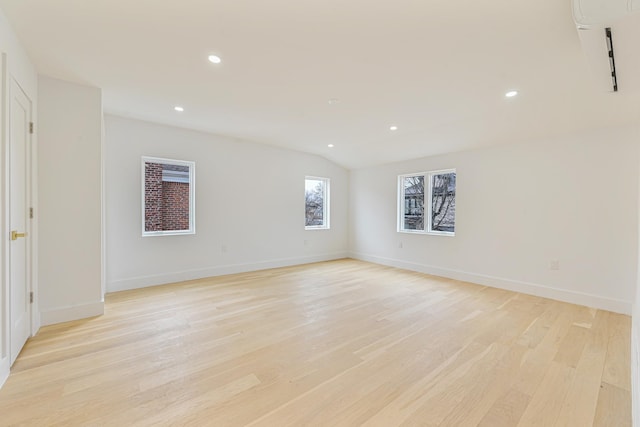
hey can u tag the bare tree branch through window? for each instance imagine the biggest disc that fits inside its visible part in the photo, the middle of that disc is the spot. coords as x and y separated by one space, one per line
428 202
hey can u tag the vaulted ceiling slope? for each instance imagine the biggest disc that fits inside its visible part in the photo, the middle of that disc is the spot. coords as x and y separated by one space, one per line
303 74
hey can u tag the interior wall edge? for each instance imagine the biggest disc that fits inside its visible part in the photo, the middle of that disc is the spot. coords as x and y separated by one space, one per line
635 367
563 295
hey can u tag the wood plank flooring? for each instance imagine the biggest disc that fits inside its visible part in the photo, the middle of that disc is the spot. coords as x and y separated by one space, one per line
341 343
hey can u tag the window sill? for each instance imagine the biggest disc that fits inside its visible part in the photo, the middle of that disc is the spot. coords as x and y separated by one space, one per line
431 233
167 233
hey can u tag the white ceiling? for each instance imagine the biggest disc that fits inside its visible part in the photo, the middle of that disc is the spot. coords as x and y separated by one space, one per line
438 69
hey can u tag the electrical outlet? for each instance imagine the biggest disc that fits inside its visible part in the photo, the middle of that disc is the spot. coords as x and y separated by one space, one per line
554 264
305 242
400 245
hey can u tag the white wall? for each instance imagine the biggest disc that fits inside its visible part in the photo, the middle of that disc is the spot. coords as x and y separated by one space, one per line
14 64
573 199
249 200
70 204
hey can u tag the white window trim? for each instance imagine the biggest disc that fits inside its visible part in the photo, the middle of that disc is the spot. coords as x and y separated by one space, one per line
428 178
326 206
192 196
400 203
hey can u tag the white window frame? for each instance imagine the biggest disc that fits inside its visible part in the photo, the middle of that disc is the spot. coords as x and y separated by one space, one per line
192 196
326 204
428 183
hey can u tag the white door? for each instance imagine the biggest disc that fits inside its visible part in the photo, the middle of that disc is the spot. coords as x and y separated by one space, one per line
19 288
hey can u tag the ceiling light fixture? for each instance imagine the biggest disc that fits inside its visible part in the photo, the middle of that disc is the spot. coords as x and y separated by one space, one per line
333 101
330 145
215 59
511 93
178 108
393 127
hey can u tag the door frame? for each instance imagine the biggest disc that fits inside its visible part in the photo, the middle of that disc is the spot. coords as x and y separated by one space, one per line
5 338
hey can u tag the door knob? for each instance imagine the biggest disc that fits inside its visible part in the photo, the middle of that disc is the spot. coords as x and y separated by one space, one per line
15 235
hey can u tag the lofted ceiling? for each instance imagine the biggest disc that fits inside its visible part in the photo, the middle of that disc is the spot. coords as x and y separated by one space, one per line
436 69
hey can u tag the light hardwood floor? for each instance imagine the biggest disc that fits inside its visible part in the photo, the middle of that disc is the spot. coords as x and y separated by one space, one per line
342 343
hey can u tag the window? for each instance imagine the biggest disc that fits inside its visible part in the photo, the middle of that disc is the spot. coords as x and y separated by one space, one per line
168 205
427 202
316 203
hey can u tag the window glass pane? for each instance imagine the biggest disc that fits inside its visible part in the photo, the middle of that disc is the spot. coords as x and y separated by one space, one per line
168 193
315 193
443 202
413 215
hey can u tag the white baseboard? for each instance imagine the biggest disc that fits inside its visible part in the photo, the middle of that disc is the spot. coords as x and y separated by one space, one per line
36 321
580 298
75 312
180 276
5 370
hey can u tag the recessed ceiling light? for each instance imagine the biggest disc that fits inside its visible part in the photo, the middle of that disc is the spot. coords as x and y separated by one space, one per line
215 59
393 127
511 93
178 108
333 101
330 145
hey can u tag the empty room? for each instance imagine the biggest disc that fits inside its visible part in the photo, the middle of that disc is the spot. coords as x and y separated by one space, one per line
336 213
